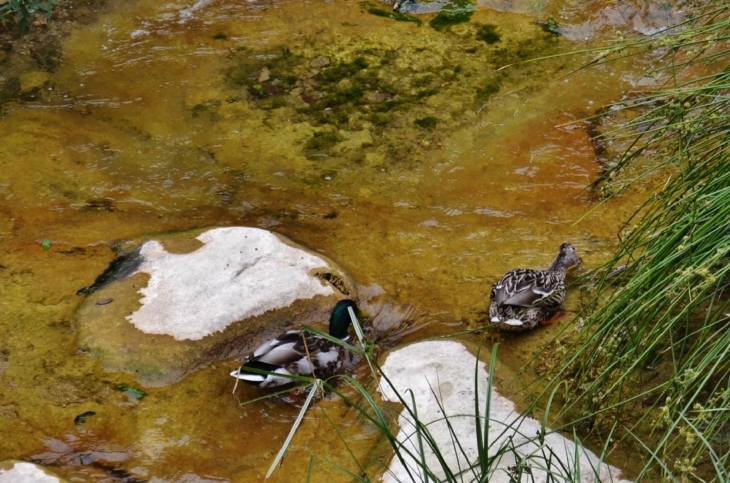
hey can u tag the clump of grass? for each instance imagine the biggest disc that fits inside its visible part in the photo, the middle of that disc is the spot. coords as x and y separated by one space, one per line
422 453
21 11
653 363
425 456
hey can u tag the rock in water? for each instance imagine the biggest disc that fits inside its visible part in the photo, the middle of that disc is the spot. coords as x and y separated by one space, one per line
446 370
194 298
22 472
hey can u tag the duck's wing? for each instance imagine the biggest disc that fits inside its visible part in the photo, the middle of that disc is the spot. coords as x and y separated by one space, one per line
283 350
291 347
526 287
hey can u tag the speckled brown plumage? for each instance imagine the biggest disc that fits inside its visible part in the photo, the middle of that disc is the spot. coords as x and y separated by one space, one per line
525 297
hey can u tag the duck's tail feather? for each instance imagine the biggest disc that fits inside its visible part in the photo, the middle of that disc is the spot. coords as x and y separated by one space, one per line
249 376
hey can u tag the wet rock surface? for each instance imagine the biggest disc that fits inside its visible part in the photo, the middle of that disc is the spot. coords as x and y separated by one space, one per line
21 472
441 376
205 296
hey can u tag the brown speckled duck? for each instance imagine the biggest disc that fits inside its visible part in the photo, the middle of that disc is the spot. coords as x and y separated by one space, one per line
526 297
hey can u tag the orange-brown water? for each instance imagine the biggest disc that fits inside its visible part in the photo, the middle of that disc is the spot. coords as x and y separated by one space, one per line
430 176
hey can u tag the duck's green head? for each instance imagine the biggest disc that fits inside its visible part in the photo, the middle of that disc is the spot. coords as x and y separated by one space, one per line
340 319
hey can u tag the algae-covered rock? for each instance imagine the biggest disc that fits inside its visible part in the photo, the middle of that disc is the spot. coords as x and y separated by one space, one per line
181 301
31 81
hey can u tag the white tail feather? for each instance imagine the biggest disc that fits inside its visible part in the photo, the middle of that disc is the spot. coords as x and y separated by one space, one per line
248 376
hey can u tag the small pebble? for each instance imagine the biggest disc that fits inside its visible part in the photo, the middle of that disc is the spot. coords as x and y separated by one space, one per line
321 61
265 75
104 301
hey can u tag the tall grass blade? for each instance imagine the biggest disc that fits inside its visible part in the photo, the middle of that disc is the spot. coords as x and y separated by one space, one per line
315 388
654 354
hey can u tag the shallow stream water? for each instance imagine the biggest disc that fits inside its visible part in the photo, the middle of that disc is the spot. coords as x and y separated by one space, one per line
397 149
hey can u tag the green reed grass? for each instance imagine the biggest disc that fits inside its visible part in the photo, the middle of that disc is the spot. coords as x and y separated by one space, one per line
652 367
21 11
412 453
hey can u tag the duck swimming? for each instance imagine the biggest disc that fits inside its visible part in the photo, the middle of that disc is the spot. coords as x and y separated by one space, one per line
300 353
526 297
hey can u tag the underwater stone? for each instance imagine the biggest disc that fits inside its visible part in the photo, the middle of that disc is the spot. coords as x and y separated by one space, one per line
22 472
319 62
265 75
446 368
31 81
205 297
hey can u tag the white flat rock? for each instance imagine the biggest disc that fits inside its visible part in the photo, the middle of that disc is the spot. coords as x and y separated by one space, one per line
168 305
21 472
447 369
239 273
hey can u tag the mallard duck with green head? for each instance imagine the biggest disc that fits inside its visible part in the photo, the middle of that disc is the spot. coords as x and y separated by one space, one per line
526 297
299 353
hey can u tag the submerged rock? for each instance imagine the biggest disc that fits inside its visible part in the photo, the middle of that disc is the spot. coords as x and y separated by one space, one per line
447 369
420 7
186 300
22 472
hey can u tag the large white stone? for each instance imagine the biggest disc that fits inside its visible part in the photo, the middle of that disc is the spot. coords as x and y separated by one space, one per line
447 369
21 472
240 272
171 304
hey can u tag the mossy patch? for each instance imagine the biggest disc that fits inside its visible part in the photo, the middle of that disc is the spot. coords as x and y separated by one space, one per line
491 87
428 122
246 70
550 26
488 34
426 93
344 69
459 11
397 16
542 44
321 143
132 392
378 87
380 120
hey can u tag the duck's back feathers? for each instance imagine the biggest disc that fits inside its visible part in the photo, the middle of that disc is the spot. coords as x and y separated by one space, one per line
299 353
524 287
291 354
525 297
273 347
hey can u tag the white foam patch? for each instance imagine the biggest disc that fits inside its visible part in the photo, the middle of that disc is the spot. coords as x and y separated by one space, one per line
447 369
188 13
21 472
239 273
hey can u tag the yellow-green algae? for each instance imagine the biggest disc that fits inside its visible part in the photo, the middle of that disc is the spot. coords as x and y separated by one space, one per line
143 129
